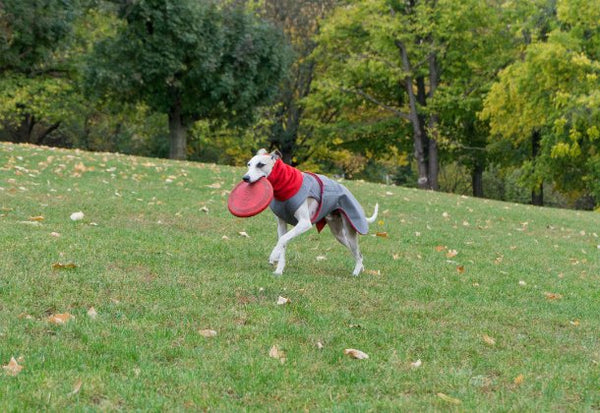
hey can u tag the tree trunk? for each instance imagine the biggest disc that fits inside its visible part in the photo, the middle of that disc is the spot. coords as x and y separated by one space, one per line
477 179
177 133
433 124
537 195
418 135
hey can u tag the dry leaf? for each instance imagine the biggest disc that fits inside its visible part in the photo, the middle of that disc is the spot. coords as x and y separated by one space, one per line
55 234
373 272
60 318
381 234
460 269
440 248
489 340
37 218
356 354
574 323
553 296
282 300
519 379
320 345
60 266
12 368
321 258
416 364
208 333
451 253
76 387
204 209
244 234
448 399
92 313
77 216
276 353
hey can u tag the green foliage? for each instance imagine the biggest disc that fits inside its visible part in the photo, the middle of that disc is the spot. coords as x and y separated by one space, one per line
553 91
215 63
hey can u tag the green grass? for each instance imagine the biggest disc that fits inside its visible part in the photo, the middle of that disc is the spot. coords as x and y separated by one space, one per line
158 269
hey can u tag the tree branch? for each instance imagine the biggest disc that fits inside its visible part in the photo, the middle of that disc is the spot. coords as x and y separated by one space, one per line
377 102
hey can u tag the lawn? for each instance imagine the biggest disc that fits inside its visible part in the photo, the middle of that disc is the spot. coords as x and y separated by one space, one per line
465 304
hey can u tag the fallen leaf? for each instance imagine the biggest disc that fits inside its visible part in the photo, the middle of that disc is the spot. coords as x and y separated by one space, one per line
276 353
373 272
522 283
460 269
574 323
77 216
451 253
60 266
489 340
440 248
60 318
208 333
446 215
282 300
448 399
320 345
356 354
37 218
381 234
244 234
519 379
76 387
92 313
321 258
204 209
12 368
55 234
416 364
552 296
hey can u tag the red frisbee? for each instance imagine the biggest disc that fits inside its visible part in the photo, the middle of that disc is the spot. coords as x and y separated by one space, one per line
246 200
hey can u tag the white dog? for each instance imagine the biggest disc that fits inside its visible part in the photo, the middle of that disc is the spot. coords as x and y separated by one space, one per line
303 198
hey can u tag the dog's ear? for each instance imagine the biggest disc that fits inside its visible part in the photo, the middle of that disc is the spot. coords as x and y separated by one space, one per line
276 154
262 151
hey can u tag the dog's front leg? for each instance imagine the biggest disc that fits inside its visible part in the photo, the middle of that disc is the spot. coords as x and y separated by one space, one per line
303 225
277 255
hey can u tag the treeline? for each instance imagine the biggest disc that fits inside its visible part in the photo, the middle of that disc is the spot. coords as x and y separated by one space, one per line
491 98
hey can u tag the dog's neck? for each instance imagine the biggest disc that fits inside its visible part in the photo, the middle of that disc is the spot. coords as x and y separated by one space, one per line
286 180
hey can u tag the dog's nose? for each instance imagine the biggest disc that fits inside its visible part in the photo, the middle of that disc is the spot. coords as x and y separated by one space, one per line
246 178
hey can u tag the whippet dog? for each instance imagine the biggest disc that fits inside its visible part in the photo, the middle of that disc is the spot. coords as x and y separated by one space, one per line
301 199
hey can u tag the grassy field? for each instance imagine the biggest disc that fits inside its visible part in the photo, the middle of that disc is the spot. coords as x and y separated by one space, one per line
465 304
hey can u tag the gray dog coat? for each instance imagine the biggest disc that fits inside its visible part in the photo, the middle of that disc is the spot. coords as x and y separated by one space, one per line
331 197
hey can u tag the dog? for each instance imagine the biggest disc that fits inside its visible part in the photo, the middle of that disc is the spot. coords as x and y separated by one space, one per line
303 198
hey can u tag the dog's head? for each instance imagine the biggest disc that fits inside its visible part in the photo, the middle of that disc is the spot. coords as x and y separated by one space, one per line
261 165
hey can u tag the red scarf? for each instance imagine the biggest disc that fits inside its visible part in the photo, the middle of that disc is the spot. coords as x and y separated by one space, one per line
286 180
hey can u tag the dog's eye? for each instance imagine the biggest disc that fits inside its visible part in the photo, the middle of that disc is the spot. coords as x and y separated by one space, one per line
260 165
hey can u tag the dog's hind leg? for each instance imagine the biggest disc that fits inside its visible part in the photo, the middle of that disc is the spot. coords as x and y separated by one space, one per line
347 236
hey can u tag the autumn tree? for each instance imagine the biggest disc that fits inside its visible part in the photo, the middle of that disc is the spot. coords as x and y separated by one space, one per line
397 58
191 60
547 103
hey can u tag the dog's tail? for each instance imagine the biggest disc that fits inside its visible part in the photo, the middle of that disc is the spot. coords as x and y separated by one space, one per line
374 216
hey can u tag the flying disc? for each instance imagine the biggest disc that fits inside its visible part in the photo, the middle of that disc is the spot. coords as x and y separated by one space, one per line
246 200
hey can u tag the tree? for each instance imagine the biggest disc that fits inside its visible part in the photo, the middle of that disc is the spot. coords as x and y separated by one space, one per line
191 60
409 60
300 21
548 101
35 80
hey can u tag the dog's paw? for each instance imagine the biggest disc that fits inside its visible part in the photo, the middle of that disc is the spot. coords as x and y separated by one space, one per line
275 255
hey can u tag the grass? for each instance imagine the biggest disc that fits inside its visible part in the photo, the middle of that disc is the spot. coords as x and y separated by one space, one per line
498 301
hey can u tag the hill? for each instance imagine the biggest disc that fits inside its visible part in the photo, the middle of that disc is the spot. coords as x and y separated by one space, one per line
465 304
